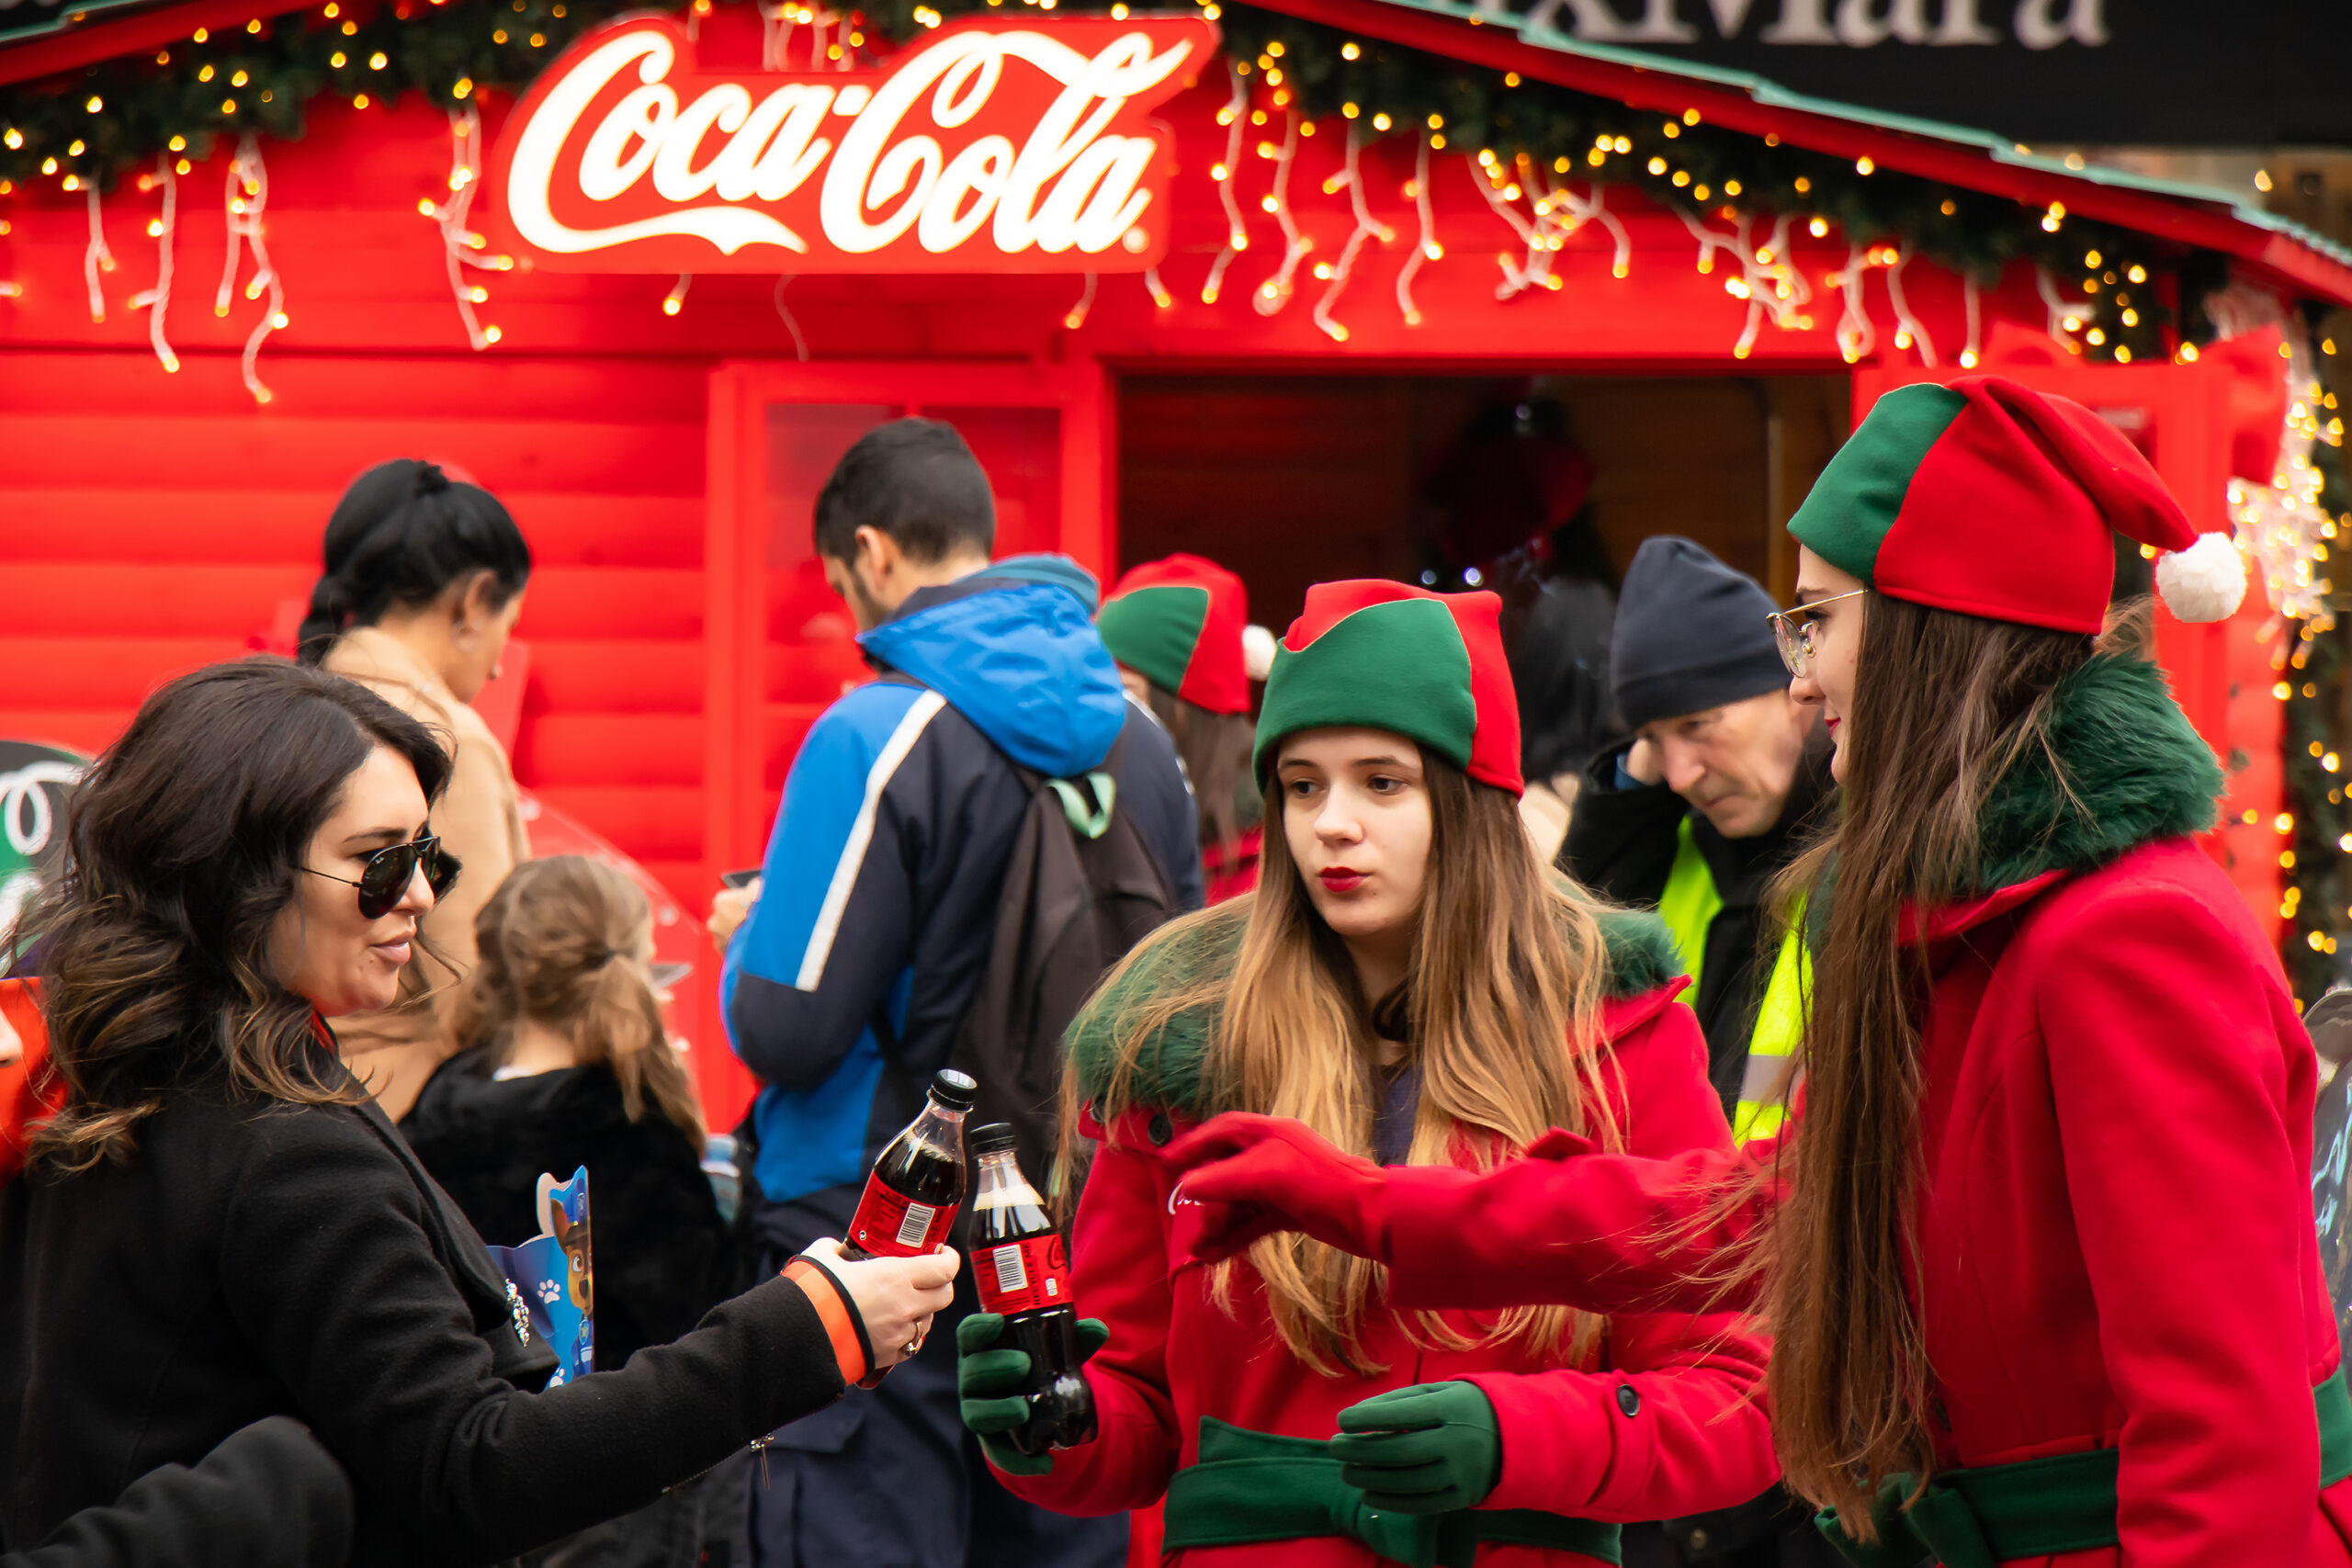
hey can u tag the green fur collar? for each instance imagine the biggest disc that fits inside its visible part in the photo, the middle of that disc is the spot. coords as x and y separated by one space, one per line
2133 771
1642 957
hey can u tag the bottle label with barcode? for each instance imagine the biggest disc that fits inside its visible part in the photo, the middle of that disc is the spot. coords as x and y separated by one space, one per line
1024 1276
888 1225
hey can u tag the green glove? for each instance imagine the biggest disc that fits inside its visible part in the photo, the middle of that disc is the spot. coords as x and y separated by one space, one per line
1429 1448
989 1376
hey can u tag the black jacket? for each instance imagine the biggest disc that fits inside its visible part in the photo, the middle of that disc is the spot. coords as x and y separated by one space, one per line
255 1260
269 1497
664 1257
1621 844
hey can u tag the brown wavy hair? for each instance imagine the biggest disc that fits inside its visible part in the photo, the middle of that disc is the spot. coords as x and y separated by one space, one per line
1945 706
1500 1013
182 844
557 944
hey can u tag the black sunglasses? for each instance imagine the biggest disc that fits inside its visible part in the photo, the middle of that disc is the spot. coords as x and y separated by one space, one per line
384 882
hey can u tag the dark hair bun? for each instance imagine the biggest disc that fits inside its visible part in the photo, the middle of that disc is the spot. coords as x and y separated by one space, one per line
398 537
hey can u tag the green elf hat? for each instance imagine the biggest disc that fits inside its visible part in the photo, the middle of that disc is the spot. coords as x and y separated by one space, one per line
1986 497
1178 623
1384 656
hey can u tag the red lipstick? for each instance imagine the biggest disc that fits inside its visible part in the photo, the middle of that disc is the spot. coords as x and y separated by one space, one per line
1340 879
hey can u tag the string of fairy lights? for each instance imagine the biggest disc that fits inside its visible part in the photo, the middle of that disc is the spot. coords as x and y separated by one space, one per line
1544 158
1546 161
2289 529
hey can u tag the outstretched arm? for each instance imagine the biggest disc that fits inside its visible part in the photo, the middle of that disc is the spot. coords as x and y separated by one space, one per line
1609 1232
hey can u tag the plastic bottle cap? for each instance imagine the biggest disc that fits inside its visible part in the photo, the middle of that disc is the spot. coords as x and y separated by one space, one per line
953 1088
994 1138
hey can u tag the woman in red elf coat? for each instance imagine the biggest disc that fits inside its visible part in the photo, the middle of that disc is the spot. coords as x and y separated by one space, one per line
1409 980
2038 1255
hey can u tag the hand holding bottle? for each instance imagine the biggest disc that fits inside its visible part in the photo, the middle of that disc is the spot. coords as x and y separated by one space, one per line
995 1386
895 1297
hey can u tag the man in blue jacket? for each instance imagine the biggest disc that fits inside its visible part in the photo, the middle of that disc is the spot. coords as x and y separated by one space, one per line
846 984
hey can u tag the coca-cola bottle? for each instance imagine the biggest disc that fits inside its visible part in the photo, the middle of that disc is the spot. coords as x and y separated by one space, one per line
918 1184
1023 1271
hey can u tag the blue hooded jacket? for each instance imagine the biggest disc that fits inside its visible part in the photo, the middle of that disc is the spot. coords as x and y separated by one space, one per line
884 872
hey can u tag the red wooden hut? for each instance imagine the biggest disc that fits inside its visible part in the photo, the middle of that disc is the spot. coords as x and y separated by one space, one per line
1300 260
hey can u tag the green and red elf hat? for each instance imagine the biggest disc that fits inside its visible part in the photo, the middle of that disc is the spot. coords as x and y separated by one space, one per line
1178 623
1991 499
1383 656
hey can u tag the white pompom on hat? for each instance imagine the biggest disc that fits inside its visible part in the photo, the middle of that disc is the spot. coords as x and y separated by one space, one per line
1257 650
2204 582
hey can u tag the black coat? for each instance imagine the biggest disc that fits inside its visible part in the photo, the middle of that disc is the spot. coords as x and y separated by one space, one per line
253 1260
1621 844
269 1497
663 1256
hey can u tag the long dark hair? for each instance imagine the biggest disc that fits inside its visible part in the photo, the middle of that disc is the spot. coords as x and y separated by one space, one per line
183 843
1945 706
398 537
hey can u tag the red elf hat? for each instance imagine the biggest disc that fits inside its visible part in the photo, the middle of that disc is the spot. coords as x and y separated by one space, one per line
1986 497
1178 623
1384 656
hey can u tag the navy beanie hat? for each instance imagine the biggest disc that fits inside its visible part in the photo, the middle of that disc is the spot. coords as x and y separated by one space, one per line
1691 635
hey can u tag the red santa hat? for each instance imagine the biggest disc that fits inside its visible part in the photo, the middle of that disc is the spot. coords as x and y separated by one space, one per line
1179 623
1380 655
1986 497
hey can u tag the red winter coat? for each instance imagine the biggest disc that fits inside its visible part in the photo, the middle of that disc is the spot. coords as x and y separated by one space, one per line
1695 1440
2114 1215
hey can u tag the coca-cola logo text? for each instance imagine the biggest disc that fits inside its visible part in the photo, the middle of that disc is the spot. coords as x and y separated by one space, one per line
987 146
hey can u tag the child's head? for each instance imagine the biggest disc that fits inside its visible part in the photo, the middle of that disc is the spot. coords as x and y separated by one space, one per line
567 943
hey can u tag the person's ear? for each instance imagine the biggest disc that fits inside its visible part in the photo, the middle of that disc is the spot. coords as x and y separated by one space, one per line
878 554
477 605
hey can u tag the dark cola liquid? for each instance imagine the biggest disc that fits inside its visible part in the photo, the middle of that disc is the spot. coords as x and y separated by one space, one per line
922 1170
1022 1270
916 1188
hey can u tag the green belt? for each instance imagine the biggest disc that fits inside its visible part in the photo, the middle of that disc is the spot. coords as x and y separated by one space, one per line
1996 1513
1248 1486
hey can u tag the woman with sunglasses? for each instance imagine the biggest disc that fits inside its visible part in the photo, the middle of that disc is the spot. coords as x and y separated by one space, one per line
217 1224
424 581
2037 1248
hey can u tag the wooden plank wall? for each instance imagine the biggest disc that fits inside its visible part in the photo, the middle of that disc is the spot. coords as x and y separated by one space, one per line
149 524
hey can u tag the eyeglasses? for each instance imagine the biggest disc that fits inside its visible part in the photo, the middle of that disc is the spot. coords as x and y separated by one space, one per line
1795 637
383 882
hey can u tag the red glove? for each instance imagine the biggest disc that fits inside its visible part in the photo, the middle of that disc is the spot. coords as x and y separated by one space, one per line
1242 1176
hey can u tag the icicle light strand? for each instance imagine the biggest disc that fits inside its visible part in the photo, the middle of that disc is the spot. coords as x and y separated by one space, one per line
1234 117
461 247
246 198
1076 316
1367 228
1275 292
1425 247
157 301
800 343
95 257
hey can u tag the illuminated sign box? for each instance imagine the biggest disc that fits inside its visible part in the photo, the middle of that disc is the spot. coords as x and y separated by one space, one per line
990 145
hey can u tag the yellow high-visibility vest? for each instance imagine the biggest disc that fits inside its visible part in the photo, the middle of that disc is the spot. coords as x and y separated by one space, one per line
1689 906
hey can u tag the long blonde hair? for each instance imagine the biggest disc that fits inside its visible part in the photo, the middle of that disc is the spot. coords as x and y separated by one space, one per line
1501 1014
557 943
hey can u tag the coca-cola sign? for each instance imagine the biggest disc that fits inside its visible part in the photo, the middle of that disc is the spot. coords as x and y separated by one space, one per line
991 145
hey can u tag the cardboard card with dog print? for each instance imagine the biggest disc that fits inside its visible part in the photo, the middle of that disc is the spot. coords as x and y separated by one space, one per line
554 1272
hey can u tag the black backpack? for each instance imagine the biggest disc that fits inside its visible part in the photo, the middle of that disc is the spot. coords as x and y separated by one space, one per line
1081 889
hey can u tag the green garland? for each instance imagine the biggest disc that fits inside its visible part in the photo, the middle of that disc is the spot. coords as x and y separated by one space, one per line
2128 292
2318 906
